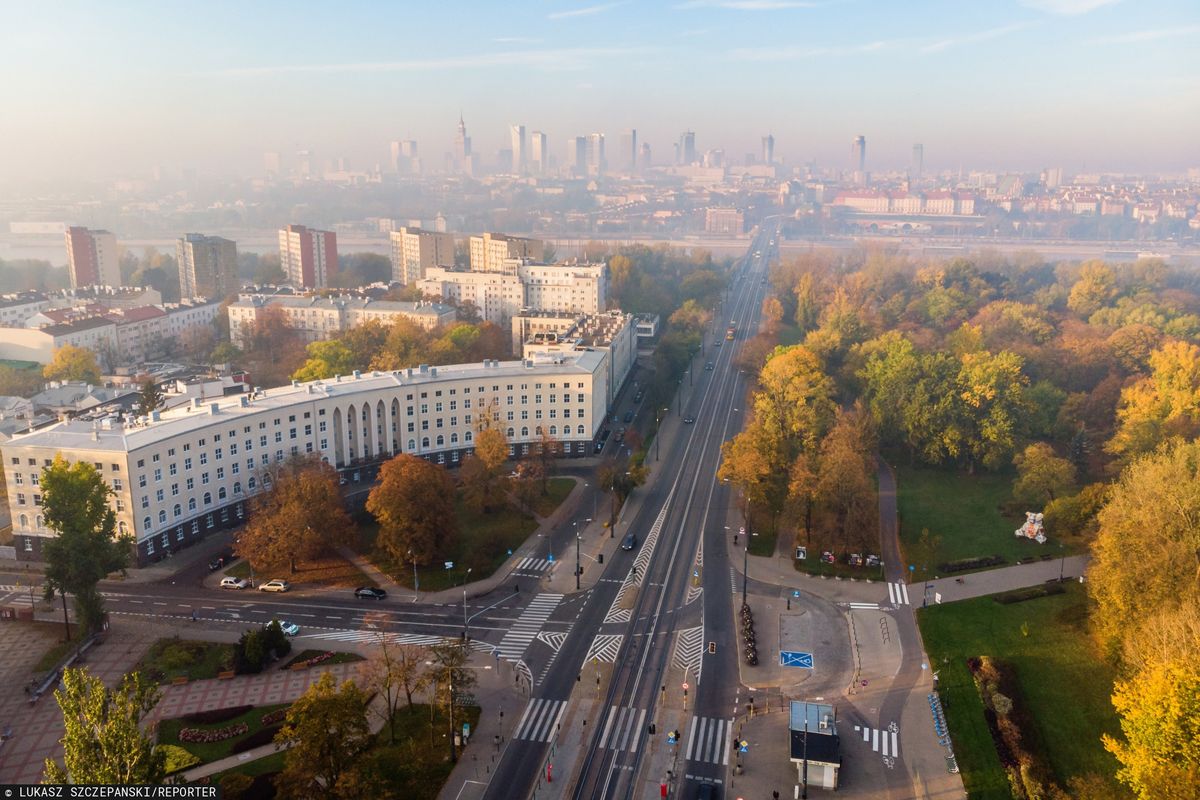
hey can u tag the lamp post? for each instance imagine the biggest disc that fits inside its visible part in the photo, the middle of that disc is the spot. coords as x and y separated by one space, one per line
1062 561
465 623
657 431
416 580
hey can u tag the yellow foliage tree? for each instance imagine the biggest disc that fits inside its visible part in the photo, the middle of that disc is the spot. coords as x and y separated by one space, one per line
71 363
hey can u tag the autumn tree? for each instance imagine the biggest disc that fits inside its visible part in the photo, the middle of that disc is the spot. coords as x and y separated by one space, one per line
299 516
794 404
392 671
845 485
749 462
414 505
86 548
1095 287
103 739
19 382
1041 475
482 474
804 489
452 679
326 732
1163 404
772 315
71 363
992 389
619 481
326 359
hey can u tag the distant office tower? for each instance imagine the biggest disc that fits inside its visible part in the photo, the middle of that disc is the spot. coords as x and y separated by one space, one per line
714 157
307 256
918 160
687 148
415 250
858 153
595 154
394 152
519 158
768 149
539 154
207 266
92 258
462 147
304 163
490 251
728 221
271 164
577 154
628 158
644 155
1053 177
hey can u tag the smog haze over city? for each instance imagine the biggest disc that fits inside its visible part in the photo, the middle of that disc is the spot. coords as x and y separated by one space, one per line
100 91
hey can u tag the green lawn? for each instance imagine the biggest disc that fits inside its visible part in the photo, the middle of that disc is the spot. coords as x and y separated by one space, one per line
172 658
55 654
259 766
963 516
482 546
1065 685
168 733
557 490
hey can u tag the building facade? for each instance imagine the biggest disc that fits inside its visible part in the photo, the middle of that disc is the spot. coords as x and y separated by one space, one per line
491 251
92 257
726 221
415 251
540 287
179 475
319 318
308 256
207 266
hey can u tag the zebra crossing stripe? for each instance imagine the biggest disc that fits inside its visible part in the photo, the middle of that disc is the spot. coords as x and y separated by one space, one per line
540 719
527 626
605 647
625 725
898 593
708 741
884 742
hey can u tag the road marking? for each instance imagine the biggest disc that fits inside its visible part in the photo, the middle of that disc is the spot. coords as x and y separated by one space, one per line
527 626
531 567
552 639
616 614
605 648
540 720
689 650
625 725
865 606
708 740
898 593
884 742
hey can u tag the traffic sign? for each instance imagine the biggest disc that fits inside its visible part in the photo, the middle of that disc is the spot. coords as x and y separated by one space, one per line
912 567
670 737
449 564
743 746
794 658
795 593
550 558
466 730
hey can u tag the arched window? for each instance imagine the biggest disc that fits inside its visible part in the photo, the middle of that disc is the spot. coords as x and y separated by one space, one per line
454 438
208 498
177 511
39 521
162 516
468 436
191 504
554 430
412 444
539 430
221 493
581 431
237 487
524 431
24 521
252 484
146 524
441 440
510 433
424 442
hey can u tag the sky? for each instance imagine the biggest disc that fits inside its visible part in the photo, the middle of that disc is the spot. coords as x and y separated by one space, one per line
100 90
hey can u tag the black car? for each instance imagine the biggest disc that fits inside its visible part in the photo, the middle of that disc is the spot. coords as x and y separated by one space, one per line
598 446
219 561
370 593
630 542
709 366
628 417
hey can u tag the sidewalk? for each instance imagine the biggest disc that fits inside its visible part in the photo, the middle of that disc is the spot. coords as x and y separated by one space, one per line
1004 579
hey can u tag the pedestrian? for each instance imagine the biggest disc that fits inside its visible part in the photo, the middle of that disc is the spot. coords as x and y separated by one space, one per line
193 615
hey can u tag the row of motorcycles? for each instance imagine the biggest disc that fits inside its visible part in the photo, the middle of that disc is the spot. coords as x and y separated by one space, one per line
749 649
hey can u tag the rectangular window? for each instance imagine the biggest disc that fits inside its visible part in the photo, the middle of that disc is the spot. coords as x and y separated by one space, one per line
145 501
154 458
20 498
220 473
217 454
292 433
203 459
278 437
118 484
187 464
18 479
190 484
249 445
158 495
236 468
172 469
187 447
321 426
233 448
158 474
308 430
174 490
324 444
204 479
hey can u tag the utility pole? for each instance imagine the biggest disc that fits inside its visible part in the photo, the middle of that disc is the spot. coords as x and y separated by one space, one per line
577 540
746 559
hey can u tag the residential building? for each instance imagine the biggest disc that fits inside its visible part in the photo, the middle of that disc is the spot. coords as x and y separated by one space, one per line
92 257
724 221
16 308
550 333
308 256
416 250
319 318
542 287
181 474
490 251
207 266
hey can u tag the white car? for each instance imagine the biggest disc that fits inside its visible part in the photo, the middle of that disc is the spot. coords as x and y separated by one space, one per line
230 582
289 628
277 585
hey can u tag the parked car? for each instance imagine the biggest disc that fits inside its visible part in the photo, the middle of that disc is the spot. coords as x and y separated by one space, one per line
219 561
605 434
717 343
873 561
688 420
628 417
288 628
621 435
230 582
709 366
629 542
370 593
276 585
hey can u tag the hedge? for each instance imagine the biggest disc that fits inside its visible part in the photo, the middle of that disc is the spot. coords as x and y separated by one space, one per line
207 736
964 564
1031 593
257 739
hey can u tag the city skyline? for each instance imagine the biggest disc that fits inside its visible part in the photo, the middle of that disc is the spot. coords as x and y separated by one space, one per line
1021 84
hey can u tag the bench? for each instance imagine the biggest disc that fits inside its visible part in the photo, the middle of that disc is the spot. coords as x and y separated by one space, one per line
303 665
179 680
226 675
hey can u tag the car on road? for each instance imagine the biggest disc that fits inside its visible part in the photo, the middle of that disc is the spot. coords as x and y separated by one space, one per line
605 434
629 542
288 628
717 343
599 446
276 585
708 791
621 435
688 420
230 582
637 398
370 593
708 367
628 417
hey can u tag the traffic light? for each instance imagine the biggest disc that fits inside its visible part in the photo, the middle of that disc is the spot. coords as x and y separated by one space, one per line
712 647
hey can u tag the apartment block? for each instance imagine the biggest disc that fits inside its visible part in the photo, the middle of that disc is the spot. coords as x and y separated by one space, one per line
416 250
92 257
308 256
207 266
318 318
494 252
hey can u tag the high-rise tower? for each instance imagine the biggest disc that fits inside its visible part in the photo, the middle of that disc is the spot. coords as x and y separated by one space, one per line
858 153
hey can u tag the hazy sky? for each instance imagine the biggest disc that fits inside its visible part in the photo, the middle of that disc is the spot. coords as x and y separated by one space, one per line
103 89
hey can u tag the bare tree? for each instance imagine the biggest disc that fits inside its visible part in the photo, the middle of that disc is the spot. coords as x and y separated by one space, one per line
391 669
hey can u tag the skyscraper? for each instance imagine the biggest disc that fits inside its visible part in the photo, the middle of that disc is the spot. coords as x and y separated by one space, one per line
519 157
539 154
918 160
768 149
462 147
858 153
577 155
687 148
627 159
595 154
271 164
307 256
644 160
92 258
207 266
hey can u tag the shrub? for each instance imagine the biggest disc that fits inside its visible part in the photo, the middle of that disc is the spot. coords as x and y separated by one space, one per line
256 739
176 655
1030 593
210 735
271 717
275 640
251 653
215 715
177 758
235 786
964 564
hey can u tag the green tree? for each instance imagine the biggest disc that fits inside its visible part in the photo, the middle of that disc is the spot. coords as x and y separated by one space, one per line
299 515
1041 475
86 548
414 506
452 680
992 390
1095 288
325 359
71 363
19 382
103 741
326 732
150 398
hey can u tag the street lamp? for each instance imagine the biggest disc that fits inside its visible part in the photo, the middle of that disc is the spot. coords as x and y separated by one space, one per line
657 432
416 580
465 623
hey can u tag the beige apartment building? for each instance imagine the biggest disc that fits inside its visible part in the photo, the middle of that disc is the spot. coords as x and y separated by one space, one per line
494 252
499 296
318 318
207 266
415 251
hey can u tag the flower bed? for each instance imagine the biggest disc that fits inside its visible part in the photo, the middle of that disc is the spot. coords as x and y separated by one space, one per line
312 662
200 736
271 717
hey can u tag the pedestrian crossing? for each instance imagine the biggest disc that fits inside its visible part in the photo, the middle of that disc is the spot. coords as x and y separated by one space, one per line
689 650
553 639
623 731
898 594
531 567
527 626
885 742
708 740
541 719
605 648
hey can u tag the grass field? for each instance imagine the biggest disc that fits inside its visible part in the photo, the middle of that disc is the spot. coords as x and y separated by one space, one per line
964 517
482 546
173 658
168 733
557 490
1066 686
